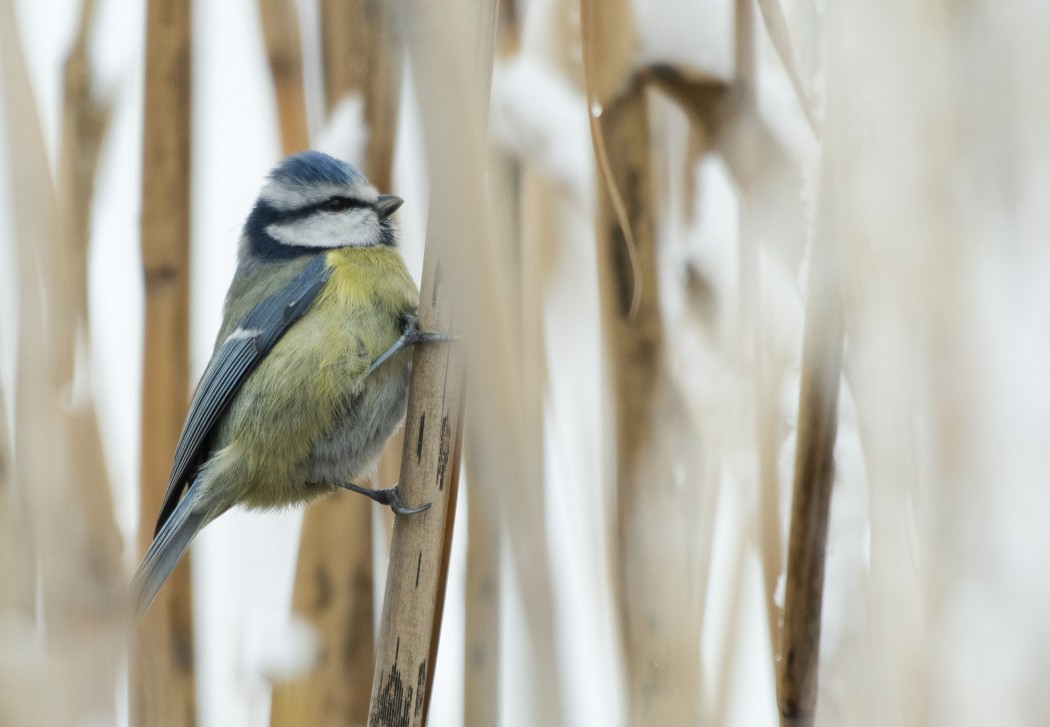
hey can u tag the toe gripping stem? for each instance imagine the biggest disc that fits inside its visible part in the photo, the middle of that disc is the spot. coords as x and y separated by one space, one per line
411 336
387 496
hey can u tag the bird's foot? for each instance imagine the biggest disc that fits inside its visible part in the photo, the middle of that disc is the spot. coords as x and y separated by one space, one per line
414 335
386 496
411 336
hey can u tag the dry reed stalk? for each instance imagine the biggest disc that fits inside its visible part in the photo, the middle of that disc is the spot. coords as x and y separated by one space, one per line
656 490
766 373
452 102
69 530
715 494
411 619
38 443
61 654
656 505
17 597
949 197
481 653
333 591
92 616
723 114
508 28
814 471
754 353
888 677
892 274
29 461
280 25
769 535
162 661
482 597
715 110
725 686
362 50
704 101
516 492
84 124
769 183
342 31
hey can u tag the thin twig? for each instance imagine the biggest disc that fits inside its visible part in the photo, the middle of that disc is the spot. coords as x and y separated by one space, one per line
814 474
607 51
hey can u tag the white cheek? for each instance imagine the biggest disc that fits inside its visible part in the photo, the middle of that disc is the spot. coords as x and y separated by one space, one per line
353 228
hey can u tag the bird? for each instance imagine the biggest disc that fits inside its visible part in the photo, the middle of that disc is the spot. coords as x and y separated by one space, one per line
309 375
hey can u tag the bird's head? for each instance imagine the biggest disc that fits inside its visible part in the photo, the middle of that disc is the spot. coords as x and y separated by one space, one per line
312 202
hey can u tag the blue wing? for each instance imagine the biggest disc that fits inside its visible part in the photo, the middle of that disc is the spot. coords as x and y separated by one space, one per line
230 365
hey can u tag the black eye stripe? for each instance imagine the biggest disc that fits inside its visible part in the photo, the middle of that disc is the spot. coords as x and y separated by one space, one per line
338 204
324 206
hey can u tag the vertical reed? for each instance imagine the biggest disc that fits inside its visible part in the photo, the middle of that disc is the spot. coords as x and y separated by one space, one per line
162 661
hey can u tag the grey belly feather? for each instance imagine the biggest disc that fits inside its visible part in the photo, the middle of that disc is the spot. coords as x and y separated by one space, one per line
352 448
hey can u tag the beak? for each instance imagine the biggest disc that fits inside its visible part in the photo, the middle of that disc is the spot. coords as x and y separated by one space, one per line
387 204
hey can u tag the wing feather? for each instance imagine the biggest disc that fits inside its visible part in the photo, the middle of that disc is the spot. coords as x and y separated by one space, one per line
231 365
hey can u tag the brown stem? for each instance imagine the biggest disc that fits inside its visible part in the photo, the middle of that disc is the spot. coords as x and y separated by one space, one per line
280 24
162 670
419 552
814 475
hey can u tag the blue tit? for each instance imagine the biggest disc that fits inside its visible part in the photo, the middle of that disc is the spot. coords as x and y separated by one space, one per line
310 371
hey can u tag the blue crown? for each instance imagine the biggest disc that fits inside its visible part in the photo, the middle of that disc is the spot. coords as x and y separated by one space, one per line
313 167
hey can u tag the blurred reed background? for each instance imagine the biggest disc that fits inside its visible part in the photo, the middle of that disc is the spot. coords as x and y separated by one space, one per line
751 398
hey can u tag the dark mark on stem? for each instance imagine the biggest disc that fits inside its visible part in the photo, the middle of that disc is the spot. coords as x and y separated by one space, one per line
421 687
323 586
393 703
160 277
437 284
419 437
446 438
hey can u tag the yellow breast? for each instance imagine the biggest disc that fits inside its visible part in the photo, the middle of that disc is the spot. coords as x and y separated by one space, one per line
369 276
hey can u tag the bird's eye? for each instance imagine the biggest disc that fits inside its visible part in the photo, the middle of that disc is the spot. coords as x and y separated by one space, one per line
338 204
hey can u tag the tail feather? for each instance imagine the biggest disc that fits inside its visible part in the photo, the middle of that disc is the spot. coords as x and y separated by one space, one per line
168 546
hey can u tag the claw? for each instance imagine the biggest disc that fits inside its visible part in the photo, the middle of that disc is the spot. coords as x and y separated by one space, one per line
411 336
386 496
